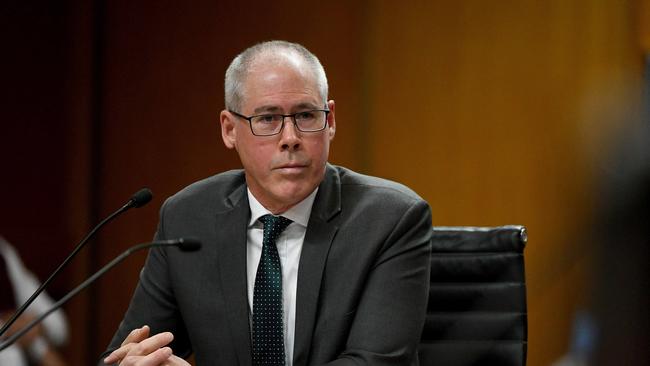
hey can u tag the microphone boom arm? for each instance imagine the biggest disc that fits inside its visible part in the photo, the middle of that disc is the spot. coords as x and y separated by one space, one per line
139 199
184 244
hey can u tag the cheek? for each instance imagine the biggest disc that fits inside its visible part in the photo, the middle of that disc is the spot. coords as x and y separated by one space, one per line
254 157
249 152
320 149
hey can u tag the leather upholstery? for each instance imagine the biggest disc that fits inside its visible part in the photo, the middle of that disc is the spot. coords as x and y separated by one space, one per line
476 314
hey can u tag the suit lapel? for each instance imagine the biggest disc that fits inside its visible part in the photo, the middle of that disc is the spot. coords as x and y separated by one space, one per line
318 239
231 244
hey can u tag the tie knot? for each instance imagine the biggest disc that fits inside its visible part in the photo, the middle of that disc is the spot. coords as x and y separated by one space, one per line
275 224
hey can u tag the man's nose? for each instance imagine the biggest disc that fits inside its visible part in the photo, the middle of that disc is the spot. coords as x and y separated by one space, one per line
290 135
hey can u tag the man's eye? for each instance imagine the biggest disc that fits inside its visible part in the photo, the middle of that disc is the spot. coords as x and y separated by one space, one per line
267 118
305 115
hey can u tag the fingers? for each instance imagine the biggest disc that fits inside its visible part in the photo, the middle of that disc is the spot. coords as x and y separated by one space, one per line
155 358
136 344
175 361
151 344
137 335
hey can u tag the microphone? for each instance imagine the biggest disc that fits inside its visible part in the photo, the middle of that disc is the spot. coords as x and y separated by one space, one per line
184 244
139 199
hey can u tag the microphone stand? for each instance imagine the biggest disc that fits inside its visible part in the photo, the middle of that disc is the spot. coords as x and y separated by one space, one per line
183 244
140 198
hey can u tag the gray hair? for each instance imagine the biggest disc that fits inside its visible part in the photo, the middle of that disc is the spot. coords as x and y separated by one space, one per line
239 67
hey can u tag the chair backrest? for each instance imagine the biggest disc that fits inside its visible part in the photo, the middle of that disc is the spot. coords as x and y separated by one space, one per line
476 313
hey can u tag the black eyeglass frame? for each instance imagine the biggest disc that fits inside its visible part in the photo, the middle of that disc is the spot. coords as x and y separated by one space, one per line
284 116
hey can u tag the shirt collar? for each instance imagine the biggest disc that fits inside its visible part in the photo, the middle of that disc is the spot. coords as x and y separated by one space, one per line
299 213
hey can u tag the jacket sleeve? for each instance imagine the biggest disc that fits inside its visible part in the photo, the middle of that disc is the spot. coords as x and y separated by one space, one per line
153 302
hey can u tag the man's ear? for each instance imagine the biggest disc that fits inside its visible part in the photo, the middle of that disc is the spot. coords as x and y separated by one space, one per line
228 131
331 119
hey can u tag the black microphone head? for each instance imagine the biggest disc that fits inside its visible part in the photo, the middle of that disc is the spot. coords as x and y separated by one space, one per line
189 244
141 198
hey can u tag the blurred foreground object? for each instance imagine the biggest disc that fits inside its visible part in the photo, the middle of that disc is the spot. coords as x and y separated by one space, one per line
622 238
39 346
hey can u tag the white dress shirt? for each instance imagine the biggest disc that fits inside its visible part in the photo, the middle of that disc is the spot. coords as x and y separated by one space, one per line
289 245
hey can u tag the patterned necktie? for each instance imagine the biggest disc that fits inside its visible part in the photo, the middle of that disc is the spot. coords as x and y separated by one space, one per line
268 338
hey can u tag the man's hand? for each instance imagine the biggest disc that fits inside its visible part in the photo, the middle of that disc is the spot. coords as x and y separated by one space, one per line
140 349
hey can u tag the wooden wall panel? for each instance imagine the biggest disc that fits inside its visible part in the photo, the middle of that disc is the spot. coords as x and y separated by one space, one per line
644 24
494 112
44 145
33 133
77 106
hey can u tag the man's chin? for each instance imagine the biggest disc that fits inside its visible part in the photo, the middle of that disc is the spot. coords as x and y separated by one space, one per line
291 193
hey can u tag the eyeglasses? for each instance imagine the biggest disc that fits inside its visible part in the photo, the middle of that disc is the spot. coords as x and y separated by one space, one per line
271 124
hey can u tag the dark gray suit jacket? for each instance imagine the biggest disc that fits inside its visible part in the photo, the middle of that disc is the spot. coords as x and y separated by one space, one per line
362 280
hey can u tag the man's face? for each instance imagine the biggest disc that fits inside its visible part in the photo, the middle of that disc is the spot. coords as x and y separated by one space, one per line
283 169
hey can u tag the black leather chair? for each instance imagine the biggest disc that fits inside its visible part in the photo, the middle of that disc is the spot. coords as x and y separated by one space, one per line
476 313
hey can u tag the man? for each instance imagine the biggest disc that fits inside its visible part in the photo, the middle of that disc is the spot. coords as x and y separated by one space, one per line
354 256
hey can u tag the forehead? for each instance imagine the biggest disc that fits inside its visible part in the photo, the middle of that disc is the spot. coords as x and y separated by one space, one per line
280 82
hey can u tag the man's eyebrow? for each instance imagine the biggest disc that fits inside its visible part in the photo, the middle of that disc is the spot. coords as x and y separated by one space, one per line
306 105
276 109
267 108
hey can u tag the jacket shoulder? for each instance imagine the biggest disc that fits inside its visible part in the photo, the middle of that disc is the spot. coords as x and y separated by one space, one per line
361 183
213 191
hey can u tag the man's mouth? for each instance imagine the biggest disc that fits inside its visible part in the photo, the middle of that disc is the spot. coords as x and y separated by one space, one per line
292 167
